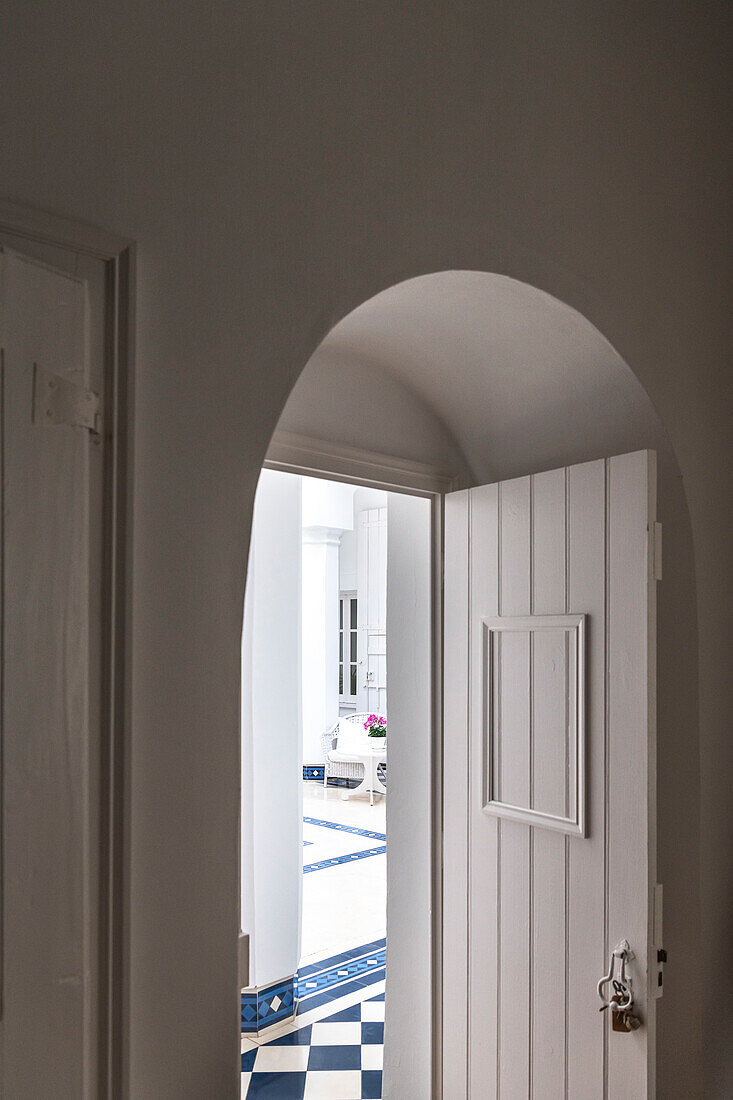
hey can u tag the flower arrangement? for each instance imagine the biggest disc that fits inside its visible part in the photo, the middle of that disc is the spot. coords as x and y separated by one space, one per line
376 726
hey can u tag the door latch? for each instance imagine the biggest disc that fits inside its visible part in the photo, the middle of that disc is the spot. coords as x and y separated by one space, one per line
623 1019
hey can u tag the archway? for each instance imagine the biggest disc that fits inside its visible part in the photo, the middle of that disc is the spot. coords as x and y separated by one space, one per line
480 377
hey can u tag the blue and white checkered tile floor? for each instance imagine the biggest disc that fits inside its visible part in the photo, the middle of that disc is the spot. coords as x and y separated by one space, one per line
337 1058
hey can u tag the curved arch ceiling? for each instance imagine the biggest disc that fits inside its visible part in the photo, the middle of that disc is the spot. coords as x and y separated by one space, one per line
512 378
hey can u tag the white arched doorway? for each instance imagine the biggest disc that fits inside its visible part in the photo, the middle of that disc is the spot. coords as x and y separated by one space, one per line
470 378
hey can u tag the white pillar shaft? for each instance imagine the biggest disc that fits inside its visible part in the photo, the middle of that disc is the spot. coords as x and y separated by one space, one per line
320 566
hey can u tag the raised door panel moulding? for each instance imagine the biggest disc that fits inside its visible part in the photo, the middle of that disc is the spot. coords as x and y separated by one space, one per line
534 720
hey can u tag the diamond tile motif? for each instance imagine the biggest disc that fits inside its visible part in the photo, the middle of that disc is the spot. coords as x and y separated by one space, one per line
267 1005
313 771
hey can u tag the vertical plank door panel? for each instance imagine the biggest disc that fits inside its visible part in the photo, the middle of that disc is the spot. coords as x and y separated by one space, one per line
549 789
455 805
587 956
483 828
514 857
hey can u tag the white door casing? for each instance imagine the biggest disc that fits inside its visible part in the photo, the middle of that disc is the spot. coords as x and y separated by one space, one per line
533 905
51 592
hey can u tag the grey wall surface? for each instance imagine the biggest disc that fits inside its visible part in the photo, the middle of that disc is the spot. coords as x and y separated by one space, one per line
277 169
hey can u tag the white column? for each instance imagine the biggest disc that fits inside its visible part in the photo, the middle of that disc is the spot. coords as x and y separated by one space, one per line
320 568
272 788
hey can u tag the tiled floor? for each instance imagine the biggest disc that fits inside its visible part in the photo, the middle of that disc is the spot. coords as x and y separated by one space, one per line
345 902
335 1058
322 983
333 1049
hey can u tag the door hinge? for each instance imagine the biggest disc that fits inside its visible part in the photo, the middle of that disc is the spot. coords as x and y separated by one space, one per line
59 400
655 535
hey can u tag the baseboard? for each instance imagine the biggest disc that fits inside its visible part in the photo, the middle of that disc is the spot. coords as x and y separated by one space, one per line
313 771
263 1006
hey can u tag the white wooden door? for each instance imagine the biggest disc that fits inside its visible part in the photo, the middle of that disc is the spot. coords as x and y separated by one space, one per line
51 593
549 781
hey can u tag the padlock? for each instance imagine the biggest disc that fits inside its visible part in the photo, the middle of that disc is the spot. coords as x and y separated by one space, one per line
622 1019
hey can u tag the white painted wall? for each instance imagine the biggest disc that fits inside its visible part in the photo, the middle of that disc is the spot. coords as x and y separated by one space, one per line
341 553
407 1052
371 526
347 562
328 517
328 503
272 790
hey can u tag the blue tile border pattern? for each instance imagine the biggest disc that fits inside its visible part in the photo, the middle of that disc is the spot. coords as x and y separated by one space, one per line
267 1005
335 861
314 985
344 828
340 975
313 771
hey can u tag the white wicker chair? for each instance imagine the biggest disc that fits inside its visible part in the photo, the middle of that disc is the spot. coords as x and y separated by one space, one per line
342 769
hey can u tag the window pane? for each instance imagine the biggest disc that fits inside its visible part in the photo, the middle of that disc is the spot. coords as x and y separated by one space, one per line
353 645
341 646
341 614
341 679
353 679
353 614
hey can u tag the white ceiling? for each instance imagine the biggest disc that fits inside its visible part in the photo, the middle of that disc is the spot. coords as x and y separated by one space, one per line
518 379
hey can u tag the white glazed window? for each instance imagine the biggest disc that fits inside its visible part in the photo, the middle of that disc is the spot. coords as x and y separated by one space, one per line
348 649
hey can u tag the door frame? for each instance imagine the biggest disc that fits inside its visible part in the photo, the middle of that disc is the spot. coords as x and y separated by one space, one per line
338 462
118 257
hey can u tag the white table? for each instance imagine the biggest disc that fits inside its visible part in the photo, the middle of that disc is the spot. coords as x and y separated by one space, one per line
371 781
